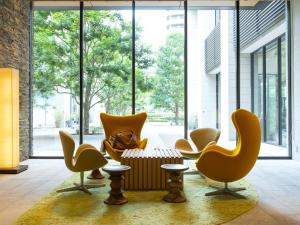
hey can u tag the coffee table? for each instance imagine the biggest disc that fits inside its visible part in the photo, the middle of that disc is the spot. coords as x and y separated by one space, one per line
146 173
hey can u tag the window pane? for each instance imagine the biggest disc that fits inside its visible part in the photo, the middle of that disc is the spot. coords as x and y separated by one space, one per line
160 69
284 94
258 86
272 94
212 68
262 23
107 65
55 79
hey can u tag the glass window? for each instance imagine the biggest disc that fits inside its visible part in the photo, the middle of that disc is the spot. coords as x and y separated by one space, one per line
55 91
272 93
218 101
212 68
284 95
263 26
160 69
274 89
107 65
258 86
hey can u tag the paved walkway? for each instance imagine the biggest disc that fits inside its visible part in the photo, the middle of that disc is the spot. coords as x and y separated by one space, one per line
47 142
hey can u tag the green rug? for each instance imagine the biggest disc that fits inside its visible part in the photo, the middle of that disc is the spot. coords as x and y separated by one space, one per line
144 207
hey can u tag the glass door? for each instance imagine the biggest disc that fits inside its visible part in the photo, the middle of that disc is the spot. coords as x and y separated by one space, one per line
272 93
258 87
263 27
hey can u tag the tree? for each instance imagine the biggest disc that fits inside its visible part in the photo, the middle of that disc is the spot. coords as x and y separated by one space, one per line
107 58
168 91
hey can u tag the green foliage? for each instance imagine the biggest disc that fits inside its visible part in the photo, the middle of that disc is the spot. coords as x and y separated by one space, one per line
107 59
56 55
107 64
169 81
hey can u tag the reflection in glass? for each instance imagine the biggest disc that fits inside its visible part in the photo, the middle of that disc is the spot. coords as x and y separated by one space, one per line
218 101
258 86
275 103
272 93
283 93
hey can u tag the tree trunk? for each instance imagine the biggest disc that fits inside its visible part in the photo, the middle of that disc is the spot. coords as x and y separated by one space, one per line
86 118
176 113
86 108
108 106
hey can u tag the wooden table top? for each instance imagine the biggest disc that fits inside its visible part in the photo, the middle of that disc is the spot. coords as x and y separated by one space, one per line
152 153
174 167
116 168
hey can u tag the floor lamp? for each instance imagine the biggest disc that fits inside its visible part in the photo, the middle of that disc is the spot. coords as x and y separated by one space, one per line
9 122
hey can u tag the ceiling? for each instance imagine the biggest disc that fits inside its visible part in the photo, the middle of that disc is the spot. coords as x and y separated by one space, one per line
199 3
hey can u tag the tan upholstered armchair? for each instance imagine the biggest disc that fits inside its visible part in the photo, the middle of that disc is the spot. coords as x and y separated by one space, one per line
201 138
86 158
112 124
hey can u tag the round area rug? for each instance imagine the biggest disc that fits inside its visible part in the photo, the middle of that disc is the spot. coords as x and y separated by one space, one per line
144 207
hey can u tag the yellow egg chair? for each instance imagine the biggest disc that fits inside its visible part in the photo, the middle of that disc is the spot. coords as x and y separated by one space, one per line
201 137
86 158
112 124
226 166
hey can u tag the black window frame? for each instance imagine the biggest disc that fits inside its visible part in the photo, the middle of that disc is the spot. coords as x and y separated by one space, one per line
278 42
237 48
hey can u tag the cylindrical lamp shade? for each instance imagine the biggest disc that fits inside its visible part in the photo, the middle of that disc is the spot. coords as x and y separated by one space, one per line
9 118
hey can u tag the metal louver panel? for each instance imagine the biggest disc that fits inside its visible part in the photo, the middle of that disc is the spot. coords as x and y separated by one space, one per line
256 22
213 49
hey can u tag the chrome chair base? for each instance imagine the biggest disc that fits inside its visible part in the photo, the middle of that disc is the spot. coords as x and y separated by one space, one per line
226 191
81 187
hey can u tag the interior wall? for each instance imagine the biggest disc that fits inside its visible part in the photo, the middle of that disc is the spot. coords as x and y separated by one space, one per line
14 53
295 8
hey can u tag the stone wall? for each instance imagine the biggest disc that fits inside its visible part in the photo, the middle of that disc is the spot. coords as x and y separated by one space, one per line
14 53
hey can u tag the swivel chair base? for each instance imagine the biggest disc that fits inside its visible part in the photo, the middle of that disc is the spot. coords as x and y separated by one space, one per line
95 174
81 187
226 191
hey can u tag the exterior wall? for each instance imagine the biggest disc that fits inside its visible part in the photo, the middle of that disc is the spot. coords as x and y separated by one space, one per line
207 112
194 70
14 53
245 68
296 77
228 76
201 86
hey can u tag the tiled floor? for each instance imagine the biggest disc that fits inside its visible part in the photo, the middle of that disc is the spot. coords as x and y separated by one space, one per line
277 182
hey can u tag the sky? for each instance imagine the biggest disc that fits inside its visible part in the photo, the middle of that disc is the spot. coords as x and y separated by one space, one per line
154 23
